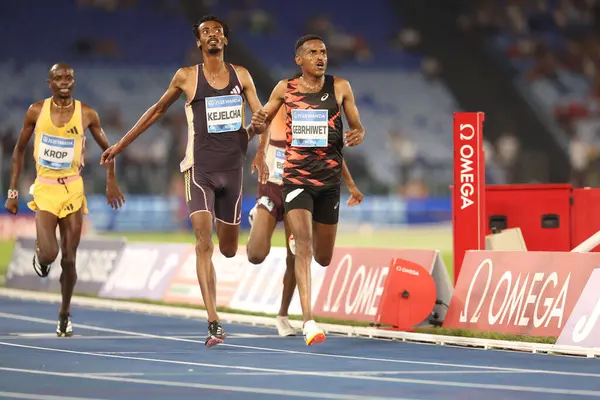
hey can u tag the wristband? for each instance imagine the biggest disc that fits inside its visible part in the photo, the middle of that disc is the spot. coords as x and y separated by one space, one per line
13 194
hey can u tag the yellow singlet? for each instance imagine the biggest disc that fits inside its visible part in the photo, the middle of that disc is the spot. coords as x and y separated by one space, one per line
58 154
58 151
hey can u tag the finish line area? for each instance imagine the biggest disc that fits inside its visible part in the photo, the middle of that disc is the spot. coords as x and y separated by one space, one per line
121 354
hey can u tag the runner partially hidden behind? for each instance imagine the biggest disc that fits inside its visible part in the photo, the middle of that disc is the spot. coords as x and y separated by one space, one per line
269 210
58 125
215 154
313 161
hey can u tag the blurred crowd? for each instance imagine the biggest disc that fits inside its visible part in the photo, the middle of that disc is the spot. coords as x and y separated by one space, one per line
555 44
555 41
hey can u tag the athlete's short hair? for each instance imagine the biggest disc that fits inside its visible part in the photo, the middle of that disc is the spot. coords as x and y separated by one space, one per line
305 39
207 18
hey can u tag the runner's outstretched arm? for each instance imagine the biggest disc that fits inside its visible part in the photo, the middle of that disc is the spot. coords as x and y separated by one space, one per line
152 115
114 197
262 118
356 133
18 156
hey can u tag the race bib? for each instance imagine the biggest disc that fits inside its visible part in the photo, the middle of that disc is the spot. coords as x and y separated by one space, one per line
310 128
275 161
56 152
224 113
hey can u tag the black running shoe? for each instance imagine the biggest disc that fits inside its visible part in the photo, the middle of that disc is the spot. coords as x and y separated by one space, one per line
41 270
216 334
63 326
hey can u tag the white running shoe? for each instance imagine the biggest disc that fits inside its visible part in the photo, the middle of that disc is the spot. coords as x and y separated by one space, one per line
284 328
312 333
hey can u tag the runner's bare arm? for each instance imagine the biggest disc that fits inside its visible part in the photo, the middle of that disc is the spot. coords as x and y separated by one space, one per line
265 115
346 174
114 197
276 100
357 131
251 95
356 197
155 112
258 162
98 133
19 151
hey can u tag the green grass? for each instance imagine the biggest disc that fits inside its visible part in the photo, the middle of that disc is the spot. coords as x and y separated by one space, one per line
409 239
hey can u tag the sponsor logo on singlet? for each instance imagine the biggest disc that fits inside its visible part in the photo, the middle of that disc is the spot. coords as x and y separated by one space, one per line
310 128
224 113
56 152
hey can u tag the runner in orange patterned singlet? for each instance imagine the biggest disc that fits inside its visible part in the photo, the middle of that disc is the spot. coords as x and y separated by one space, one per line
269 210
313 161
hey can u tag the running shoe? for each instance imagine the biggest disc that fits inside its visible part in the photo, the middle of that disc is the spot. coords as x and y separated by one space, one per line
284 328
312 333
64 328
41 270
216 334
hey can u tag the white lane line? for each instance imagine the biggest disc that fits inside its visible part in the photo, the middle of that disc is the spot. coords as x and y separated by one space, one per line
15 395
427 382
225 388
304 353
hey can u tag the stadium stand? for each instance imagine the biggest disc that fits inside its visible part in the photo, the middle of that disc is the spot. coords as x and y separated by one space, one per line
122 70
553 46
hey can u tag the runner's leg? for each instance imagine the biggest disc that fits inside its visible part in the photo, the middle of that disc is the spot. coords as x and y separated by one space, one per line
70 236
200 197
228 210
289 286
46 244
268 212
289 278
300 223
324 242
325 222
261 233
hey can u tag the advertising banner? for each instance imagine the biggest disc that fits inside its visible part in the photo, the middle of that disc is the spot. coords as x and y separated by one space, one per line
96 260
355 280
526 293
145 270
582 328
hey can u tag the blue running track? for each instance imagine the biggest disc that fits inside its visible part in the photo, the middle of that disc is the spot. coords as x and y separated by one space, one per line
123 355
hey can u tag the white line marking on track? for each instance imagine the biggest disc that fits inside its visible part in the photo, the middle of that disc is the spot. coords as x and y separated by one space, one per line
15 395
13 336
531 389
116 373
304 353
33 335
242 389
141 352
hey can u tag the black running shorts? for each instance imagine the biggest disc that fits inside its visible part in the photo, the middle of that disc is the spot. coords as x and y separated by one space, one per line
323 202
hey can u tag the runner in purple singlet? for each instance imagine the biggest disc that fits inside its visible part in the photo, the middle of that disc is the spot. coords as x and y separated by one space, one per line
216 93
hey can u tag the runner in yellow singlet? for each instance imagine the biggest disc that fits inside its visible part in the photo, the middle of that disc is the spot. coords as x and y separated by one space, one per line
58 125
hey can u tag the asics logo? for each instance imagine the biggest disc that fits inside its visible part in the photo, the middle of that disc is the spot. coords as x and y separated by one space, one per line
325 97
